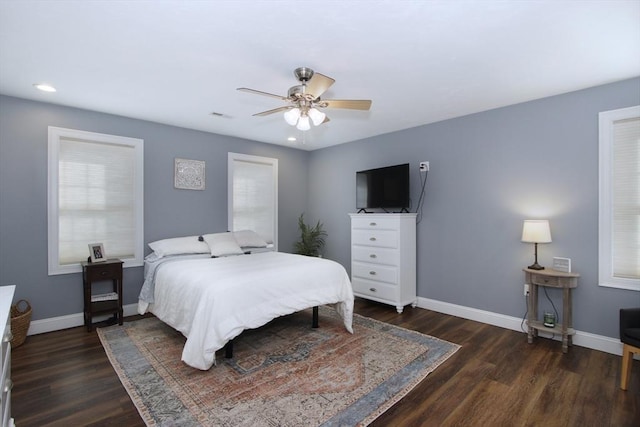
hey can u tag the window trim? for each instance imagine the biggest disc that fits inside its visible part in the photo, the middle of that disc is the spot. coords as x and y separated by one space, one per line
605 276
233 157
54 136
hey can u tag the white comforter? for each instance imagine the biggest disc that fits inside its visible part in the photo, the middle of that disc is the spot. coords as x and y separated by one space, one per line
212 300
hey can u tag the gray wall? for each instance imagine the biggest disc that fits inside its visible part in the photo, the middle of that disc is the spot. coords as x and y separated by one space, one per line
168 212
489 172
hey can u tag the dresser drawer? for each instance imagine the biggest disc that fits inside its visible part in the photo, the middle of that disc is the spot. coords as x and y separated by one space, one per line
381 273
375 255
5 377
374 289
379 238
4 345
375 223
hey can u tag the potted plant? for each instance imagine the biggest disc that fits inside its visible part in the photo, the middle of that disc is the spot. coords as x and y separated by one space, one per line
311 238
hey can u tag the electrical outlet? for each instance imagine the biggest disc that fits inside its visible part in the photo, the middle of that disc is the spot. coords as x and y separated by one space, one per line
526 289
424 166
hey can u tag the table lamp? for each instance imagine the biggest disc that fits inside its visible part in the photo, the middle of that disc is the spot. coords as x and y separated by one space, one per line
536 231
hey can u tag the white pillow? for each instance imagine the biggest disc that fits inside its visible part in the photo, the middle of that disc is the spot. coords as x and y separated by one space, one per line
222 244
178 246
249 239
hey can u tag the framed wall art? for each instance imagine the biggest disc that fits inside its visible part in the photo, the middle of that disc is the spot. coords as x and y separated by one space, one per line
189 174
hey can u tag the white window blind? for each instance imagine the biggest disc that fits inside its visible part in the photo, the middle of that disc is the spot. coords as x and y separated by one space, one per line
620 198
253 195
95 196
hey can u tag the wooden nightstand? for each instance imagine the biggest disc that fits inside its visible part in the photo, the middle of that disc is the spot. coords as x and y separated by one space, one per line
110 303
552 279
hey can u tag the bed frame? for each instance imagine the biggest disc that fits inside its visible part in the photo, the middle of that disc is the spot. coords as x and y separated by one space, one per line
228 347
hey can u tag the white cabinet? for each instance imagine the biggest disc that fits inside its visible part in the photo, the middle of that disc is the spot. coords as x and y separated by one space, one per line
6 297
383 258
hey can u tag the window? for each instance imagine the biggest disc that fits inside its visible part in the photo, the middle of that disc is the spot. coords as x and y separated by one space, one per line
95 196
619 228
253 195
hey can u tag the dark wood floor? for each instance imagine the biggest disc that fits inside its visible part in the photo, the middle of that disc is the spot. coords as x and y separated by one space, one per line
496 379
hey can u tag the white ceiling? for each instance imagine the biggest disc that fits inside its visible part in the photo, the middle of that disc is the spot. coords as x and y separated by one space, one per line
420 62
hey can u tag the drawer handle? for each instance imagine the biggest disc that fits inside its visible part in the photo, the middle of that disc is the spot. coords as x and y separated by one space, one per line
103 273
8 385
546 280
373 224
373 256
373 239
373 289
373 273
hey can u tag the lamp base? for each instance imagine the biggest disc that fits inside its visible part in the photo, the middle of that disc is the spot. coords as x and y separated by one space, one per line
535 266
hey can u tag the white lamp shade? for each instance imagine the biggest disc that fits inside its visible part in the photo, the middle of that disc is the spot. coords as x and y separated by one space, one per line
303 123
316 116
292 116
536 231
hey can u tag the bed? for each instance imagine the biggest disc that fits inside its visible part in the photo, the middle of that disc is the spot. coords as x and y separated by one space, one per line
211 300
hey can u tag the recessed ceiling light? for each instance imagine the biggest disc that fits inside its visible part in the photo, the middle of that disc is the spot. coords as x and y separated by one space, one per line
44 87
292 139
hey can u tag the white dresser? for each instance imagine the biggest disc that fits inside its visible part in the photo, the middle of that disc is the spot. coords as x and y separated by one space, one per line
6 297
383 258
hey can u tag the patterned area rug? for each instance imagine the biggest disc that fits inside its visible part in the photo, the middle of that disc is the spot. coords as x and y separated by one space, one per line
283 374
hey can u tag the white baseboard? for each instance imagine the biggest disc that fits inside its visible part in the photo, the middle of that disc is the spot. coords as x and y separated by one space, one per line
70 321
583 339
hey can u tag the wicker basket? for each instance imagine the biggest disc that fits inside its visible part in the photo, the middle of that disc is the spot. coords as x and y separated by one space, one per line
20 321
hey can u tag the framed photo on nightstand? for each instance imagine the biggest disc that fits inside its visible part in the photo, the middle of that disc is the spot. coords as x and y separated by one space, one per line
562 264
96 250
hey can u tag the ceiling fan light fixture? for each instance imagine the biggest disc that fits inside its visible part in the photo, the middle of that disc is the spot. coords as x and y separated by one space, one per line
303 123
292 116
316 116
304 103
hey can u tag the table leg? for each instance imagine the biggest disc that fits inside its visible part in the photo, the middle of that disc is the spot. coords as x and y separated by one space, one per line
565 319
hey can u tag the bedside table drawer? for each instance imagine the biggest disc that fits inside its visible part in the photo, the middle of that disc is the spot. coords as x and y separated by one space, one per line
97 272
544 280
554 281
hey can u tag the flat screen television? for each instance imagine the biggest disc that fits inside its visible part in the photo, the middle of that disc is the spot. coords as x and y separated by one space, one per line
383 188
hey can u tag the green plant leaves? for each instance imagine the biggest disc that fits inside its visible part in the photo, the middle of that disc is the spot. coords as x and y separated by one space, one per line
312 239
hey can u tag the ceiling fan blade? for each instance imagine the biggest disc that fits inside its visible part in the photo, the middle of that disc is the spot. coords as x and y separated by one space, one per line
275 110
259 92
351 104
318 84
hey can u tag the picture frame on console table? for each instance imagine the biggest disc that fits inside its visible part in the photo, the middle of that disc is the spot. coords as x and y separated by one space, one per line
562 264
96 252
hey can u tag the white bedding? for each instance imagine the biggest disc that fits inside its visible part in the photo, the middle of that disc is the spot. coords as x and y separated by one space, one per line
212 300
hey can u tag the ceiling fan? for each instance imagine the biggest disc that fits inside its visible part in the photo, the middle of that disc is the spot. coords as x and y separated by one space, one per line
304 100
